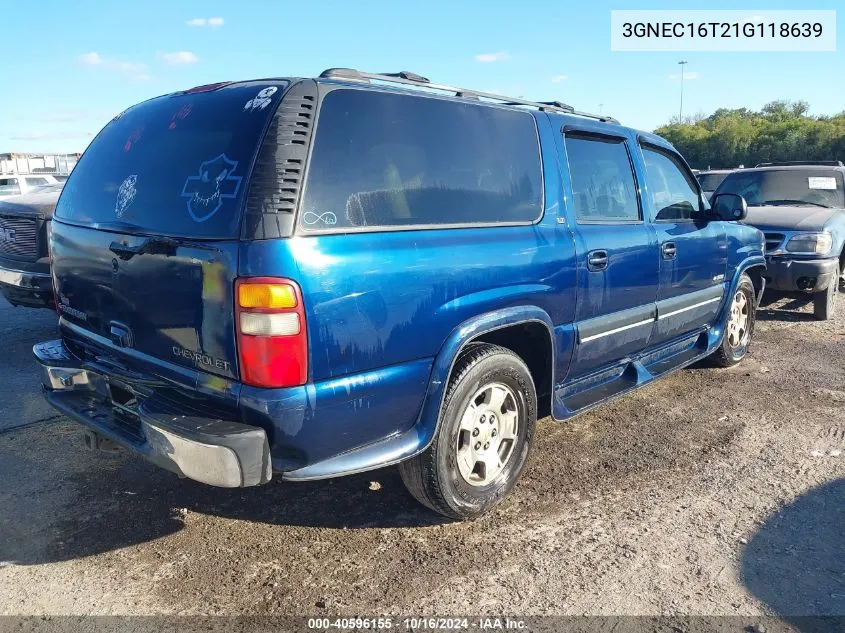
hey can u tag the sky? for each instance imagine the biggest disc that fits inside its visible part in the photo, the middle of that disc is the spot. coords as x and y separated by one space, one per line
70 66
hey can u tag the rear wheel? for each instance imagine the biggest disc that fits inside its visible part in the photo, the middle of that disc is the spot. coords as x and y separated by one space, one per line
486 426
824 302
740 325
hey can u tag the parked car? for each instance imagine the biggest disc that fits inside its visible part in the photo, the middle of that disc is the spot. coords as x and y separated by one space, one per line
711 179
318 277
17 184
24 255
801 209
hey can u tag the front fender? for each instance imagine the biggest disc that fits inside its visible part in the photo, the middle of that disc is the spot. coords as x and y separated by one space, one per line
718 331
466 332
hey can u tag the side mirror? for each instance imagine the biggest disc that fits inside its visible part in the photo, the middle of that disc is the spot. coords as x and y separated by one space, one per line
728 207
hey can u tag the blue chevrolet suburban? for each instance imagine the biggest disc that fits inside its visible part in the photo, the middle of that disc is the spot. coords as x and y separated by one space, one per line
321 276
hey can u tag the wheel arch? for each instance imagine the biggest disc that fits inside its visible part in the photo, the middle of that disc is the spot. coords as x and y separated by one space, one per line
526 330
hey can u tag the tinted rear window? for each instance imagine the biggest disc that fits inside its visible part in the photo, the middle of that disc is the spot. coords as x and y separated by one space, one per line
394 160
709 182
175 165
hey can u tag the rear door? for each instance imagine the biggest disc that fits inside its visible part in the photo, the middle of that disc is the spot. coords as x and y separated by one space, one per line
145 234
617 252
693 251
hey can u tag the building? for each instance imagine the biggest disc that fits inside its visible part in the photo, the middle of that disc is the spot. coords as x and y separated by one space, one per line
23 163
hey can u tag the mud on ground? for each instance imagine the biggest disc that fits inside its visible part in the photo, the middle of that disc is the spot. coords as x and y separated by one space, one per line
710 492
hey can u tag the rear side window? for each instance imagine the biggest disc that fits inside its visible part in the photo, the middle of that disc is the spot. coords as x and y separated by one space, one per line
602 179
9 186
175 165
383 160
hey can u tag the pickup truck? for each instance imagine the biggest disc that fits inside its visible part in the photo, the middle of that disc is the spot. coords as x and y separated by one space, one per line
24 255
312 277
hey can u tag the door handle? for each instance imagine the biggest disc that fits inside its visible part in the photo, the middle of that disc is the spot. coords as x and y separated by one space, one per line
597 260
668 249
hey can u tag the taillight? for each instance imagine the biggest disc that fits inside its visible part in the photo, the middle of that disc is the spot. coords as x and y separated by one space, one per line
272 342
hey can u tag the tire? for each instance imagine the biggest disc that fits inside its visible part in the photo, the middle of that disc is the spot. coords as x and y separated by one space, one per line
440 477
736 341
824 302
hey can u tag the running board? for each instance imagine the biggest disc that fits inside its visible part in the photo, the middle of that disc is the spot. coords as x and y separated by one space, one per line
587 392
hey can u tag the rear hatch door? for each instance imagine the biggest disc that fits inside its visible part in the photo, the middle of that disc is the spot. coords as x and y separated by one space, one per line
146 230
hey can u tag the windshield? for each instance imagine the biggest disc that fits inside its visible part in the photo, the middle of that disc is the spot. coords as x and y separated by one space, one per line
175 165
709 182
793 187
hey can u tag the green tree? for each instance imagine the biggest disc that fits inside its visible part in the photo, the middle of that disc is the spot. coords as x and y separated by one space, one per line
779 131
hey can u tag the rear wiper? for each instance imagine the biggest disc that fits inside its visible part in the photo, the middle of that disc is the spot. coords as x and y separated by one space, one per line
780 203
152 245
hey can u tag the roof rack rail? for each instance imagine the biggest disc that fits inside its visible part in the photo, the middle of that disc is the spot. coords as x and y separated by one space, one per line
787 163
412 79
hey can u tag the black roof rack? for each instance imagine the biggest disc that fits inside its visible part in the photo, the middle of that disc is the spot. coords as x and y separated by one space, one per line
412 79
820 163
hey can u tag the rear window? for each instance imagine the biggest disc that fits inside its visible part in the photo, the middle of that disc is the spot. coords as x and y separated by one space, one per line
383 160
709 182
9 186
175 165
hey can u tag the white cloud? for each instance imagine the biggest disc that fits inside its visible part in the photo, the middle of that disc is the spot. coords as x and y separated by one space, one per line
92 59
178 58
212 22
558 78
687 76
486 58
133 70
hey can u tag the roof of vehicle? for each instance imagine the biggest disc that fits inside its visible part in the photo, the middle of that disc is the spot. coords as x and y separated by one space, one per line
412 83
794 166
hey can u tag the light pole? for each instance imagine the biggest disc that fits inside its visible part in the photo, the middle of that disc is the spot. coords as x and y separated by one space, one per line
682 63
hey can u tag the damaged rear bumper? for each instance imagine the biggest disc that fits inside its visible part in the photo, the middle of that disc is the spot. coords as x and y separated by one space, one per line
213 451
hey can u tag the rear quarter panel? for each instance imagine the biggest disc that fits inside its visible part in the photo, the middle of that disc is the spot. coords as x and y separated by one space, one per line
383 298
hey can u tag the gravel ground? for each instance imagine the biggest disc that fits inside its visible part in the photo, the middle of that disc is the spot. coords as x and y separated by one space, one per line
710 492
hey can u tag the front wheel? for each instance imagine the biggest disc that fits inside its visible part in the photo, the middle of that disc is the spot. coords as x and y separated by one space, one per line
486 426
740 325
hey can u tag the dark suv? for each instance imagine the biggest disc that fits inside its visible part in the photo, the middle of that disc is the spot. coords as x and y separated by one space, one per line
317 277
801 209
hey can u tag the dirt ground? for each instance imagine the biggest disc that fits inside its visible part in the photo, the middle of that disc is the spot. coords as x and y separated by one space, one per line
710 492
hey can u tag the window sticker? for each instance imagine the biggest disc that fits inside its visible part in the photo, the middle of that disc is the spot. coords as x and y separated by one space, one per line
328 218
819 182
213 183
125 195
261 100
132 139
180 115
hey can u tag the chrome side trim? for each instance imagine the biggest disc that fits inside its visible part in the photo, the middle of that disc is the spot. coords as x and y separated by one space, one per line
692 307
616 330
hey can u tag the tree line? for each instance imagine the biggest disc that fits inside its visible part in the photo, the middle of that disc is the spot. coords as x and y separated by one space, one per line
780 131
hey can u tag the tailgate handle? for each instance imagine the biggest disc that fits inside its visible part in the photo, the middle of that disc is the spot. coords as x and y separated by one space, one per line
151 245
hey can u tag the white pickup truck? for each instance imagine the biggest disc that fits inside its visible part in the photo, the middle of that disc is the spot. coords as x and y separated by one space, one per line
17 184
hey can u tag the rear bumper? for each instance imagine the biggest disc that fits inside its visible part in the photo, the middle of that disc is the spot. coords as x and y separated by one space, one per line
796 275
213 451
26 287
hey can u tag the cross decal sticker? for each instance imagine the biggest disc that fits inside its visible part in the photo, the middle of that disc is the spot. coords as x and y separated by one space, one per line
213 183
